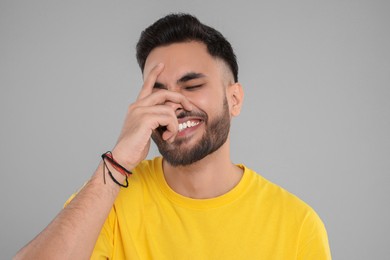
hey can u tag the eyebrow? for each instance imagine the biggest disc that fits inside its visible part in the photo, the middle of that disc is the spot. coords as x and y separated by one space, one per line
190 76
186 77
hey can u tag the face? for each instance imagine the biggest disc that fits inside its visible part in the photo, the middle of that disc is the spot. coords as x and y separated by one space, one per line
203 80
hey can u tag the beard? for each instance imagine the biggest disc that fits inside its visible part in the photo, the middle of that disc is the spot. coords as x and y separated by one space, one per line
216 134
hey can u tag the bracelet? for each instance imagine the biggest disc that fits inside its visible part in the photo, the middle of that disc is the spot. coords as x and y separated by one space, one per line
122 170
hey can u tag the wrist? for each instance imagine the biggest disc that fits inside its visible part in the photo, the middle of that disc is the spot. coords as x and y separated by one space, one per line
110 165
102 178
123 159
108 157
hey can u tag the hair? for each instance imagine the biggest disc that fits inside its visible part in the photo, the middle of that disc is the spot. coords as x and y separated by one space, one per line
177 28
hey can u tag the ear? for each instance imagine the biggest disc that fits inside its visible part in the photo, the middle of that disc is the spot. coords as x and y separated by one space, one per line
235 96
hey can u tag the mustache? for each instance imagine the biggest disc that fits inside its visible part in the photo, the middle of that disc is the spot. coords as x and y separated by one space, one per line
186 113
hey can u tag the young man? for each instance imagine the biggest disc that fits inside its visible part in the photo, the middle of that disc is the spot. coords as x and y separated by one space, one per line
193 203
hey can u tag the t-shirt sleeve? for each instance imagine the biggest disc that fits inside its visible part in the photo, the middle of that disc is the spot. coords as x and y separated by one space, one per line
313 239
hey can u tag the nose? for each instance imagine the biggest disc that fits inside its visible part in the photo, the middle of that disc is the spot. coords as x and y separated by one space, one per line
177 107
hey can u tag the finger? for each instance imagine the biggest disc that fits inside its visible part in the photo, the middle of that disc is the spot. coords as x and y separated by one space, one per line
163 115
171 132
156 116
162 96
150 80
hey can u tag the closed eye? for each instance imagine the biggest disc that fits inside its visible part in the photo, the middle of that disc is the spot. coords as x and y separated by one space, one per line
192 88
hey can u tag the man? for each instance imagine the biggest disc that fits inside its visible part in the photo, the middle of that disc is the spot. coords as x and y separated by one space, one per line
193 203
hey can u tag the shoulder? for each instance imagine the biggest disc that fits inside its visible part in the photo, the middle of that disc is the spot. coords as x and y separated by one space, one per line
143 177
278 199
148 165
291 212
145 170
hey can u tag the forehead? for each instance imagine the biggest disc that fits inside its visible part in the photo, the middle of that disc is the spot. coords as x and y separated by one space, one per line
181 58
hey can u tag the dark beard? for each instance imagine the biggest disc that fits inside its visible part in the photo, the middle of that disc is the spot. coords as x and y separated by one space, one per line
217 132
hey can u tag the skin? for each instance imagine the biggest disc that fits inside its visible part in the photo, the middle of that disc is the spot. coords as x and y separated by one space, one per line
215 174
73 233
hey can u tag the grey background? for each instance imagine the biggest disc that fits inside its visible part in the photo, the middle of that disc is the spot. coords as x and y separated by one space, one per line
316 118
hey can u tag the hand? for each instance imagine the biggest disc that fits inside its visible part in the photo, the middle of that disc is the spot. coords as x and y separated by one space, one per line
150 111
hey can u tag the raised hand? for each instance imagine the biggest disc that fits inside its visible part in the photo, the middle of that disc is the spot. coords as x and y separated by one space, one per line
151 110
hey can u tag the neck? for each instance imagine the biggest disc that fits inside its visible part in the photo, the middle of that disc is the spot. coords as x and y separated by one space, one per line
210 177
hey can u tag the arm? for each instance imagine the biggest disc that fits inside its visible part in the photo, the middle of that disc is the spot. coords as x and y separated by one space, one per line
74 231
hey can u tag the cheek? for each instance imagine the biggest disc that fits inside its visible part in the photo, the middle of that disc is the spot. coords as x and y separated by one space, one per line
210 102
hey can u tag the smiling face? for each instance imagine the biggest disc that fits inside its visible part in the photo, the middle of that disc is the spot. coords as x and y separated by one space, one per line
204 81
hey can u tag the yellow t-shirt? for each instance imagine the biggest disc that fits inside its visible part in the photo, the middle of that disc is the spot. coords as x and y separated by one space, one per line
255 220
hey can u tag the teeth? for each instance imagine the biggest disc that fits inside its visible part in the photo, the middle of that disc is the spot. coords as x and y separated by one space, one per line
187 124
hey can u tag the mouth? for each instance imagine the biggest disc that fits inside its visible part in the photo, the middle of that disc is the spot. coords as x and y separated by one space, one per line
188 124
185 126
